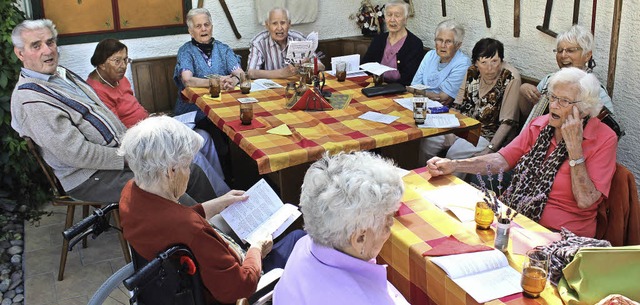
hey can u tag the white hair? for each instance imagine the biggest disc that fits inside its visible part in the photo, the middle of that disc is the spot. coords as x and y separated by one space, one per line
156 144
282 9
347 193
401 3
579 35
31 25
587 84
195 12
451 25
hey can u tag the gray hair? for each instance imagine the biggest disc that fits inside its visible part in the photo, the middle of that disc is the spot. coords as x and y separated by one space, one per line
579 35
195 12
451 25
31 25
347 193
401 3
156 144
587 84
282 9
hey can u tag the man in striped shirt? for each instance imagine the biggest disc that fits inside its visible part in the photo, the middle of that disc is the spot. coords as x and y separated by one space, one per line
269 48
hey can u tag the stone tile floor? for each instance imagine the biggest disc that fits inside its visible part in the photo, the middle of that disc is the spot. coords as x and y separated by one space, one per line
86 268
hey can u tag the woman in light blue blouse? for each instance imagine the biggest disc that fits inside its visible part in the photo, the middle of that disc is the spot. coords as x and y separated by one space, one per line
202 56
443 68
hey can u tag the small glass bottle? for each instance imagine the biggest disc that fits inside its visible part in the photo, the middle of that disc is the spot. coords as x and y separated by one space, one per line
502 234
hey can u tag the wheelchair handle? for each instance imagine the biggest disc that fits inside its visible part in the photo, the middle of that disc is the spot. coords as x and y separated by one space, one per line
84 224
150 270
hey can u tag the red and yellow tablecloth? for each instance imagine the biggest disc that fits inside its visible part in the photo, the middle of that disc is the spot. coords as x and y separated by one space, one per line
419 224
316 132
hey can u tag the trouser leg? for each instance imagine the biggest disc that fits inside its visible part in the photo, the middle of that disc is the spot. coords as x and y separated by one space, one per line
281 251
429 148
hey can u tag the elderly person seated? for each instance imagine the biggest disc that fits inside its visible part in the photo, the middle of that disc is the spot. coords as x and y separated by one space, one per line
203 56
110 60
442 69
398 48
269 48
562 163
77 135
159 151
574 48
348 202
489 94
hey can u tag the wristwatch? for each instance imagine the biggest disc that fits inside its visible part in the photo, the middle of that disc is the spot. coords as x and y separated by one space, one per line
492 147
575 162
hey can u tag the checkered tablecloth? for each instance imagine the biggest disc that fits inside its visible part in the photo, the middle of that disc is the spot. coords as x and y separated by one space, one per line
316 132
418 224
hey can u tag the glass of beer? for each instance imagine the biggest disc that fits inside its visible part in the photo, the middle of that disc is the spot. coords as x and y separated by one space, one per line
246 113
214 85
484 215
341 70
534 273
245 83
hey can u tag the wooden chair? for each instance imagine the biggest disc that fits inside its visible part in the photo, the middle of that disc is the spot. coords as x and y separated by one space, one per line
60 198
618 218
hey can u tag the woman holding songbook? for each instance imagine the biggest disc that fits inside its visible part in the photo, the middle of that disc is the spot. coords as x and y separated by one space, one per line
562 163
348 202
159 151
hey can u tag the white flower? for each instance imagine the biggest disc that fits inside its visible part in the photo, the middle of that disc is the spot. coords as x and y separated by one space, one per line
361 18
366 25
373 28
379 14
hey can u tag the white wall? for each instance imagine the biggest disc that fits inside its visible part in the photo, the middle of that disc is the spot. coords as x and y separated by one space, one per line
531 52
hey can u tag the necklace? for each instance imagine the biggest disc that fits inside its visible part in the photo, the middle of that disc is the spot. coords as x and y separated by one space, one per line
105 81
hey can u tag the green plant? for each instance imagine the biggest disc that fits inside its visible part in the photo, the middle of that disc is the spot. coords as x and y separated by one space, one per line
21 182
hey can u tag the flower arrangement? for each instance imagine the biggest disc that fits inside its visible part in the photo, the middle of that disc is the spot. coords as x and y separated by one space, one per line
509 210
369 18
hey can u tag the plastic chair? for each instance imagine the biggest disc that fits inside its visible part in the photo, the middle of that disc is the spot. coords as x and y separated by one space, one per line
60 198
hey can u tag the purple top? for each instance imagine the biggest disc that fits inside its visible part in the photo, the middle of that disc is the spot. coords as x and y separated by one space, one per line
389 59
317 274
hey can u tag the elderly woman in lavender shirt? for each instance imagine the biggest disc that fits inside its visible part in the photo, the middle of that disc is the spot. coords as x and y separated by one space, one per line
348 202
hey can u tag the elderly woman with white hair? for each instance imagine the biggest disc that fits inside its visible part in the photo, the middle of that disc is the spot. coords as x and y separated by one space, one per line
574 48
348 202
563 162
397 48
159 151
442 70
201 56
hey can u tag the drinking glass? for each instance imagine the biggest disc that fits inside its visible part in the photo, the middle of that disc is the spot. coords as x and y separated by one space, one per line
214 85
419 110
245 83
534 273
378 80
246 113
484 215
341 70
306 73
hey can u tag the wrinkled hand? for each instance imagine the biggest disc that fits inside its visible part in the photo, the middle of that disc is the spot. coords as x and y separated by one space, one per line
229 82
440 166
264 243
231 197
530 93
572 133
288 71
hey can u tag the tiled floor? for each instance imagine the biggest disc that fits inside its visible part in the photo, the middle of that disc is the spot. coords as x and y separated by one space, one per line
86 268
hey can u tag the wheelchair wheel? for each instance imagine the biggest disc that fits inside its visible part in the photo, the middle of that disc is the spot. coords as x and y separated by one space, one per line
112 290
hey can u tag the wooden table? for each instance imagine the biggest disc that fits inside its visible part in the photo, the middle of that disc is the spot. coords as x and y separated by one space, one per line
286 158
418 223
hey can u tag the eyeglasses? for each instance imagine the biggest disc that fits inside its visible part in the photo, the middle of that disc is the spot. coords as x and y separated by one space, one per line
563 102
440 41
568 50
119 61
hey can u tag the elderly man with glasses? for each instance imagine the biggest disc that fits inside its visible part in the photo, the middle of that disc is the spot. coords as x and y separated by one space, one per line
562 163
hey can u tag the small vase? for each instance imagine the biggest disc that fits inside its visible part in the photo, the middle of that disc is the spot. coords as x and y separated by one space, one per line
484 215
502 234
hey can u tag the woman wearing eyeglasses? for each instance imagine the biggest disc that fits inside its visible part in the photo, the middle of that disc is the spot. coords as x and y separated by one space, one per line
442 69
574 48
562 162
489 94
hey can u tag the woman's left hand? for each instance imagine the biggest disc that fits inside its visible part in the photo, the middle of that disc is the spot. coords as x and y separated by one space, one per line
229 82
572 133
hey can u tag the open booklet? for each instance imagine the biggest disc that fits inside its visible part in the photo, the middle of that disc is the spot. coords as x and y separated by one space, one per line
460 199
441 120
262 212
484 275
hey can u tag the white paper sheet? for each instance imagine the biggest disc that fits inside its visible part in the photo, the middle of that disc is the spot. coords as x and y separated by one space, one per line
299 50
353 63
378 117
247 100
460 199
376 68
408 102
263 84
188 119
440 120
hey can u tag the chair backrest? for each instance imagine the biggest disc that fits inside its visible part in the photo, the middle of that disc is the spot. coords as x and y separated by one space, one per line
618 218
171 282
56 187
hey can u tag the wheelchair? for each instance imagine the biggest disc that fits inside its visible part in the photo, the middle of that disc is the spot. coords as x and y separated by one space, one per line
171 278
